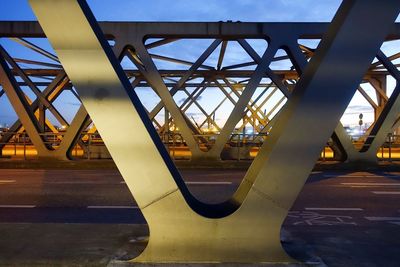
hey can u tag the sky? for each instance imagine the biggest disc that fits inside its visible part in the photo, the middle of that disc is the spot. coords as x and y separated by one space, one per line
195 10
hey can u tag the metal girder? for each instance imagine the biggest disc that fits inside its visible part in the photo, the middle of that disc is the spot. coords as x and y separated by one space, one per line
294 51
35 48
237 112
153 77
247 228
171 31
389 115
32 86
27 110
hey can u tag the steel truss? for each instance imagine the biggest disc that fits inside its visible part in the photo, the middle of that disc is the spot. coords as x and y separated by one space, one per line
248 87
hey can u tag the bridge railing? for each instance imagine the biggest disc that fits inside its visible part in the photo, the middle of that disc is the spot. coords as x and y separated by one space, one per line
91 146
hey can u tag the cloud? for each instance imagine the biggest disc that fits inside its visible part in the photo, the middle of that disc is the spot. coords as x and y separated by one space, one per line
357 109
78 104
194 114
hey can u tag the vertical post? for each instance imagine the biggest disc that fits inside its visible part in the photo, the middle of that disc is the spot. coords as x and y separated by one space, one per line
323 153
89 142
173 145
15 144
24 140
239 143
390 147
42 117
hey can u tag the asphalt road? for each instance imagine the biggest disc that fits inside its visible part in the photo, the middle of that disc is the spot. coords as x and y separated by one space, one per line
342 217
328 198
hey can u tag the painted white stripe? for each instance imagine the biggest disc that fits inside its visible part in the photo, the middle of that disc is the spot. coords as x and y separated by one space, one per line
200 183
82 182
383 218
7 181
112 207
386 192
357 176
209 183
346 175
373 184
18 206
342 209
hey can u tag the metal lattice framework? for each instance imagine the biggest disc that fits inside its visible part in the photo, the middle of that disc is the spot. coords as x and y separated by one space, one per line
250 92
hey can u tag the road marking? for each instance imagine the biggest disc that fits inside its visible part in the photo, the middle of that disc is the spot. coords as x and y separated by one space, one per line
112 207
372 184
341 209
18 206
200 183
208 183
360 175
382 218
7 181
386 192
347 175
314 218
82 182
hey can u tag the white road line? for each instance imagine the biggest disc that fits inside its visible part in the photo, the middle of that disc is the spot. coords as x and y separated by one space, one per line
330 209
344 175
7 181
112 207
386 192
18 206
382 218
372 184
208 183
357 176
200 183
82 182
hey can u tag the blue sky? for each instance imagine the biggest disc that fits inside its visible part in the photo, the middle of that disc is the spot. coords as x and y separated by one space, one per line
184 10
192 10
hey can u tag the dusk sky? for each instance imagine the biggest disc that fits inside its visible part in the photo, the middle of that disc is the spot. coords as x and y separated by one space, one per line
183 10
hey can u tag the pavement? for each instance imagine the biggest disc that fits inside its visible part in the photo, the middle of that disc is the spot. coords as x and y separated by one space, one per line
89 218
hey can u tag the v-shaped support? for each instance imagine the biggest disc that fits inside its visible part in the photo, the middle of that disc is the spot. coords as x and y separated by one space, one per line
247 228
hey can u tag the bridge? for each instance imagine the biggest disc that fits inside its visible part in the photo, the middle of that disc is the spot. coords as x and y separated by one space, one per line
190 126
281 93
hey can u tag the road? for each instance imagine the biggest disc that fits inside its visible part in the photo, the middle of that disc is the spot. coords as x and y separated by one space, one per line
358 198
336 214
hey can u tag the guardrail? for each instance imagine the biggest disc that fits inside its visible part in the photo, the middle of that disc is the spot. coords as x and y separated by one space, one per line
90 145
